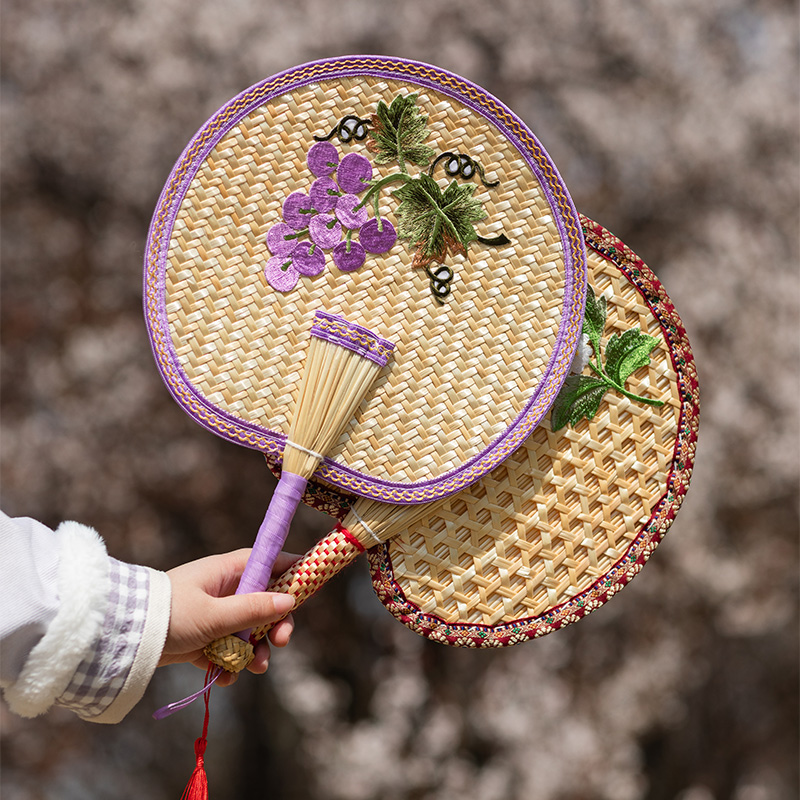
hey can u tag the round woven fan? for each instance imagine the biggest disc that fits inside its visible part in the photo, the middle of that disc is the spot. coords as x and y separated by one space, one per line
571 516
408 202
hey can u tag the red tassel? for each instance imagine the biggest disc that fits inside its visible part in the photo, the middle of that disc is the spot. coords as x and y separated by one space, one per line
197 788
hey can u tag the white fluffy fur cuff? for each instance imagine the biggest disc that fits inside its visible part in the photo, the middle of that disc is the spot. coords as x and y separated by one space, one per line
83 590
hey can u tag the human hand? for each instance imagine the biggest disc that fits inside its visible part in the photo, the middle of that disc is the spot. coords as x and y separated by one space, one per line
205 608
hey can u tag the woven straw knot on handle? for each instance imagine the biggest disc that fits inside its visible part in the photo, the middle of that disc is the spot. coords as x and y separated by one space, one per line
231 653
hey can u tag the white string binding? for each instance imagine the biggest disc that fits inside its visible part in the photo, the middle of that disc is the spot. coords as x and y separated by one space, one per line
366 527
305 450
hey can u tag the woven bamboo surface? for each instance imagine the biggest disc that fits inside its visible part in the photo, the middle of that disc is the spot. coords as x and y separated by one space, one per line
461 372
559 516
230 652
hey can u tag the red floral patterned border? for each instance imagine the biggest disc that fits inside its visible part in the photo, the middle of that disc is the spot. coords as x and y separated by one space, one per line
471 635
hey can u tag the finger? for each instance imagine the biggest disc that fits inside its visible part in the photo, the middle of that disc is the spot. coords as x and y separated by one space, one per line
199 661
244 611
218 575
227 678
236 560
281 632
231 566
283 562
260 662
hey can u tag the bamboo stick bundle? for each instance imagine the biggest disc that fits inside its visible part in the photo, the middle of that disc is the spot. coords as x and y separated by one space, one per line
343 362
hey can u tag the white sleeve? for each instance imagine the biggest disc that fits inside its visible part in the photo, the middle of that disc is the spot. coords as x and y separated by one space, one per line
78 629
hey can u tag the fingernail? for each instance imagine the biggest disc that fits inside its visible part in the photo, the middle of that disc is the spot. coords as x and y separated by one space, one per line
283 603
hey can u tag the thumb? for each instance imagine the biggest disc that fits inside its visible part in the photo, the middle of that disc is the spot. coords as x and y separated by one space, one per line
242 611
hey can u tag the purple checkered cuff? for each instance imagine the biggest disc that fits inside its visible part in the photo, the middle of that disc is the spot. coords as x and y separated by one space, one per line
79 629
112 678
103 672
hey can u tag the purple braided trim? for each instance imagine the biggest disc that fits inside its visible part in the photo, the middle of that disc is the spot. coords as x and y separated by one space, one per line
337 330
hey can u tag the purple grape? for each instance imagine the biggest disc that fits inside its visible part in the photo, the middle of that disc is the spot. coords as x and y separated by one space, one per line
349 260
324 194
347 213
278 240
308 259
297 210
325 230
323 158
281 274
376 240
354 174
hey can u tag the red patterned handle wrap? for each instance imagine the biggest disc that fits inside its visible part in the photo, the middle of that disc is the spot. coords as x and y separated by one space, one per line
327 557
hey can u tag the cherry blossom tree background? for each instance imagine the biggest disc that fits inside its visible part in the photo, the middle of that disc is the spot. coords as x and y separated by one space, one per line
675 125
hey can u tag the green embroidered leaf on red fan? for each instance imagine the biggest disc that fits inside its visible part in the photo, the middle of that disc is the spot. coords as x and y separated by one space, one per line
399 132
580 397
626 353
438 223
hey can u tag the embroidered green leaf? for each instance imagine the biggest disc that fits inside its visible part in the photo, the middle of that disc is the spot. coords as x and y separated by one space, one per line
399 132
626 353
438 223
594 319
580 397
462 210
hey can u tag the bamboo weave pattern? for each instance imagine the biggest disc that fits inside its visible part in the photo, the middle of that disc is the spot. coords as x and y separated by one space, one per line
567 520
538 518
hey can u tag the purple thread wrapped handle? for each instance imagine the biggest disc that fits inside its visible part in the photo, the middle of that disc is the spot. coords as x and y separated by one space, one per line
272 533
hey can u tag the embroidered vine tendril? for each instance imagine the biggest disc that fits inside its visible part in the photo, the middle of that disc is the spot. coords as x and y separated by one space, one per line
496 241
440 279
348 129
462 165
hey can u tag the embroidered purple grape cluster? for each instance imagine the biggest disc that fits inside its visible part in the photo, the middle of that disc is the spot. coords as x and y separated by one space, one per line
439 223
326 218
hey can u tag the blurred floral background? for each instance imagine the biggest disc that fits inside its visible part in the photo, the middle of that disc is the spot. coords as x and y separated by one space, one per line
675 124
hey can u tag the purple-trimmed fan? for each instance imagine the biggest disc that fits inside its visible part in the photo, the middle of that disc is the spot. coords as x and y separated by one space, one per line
411 207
